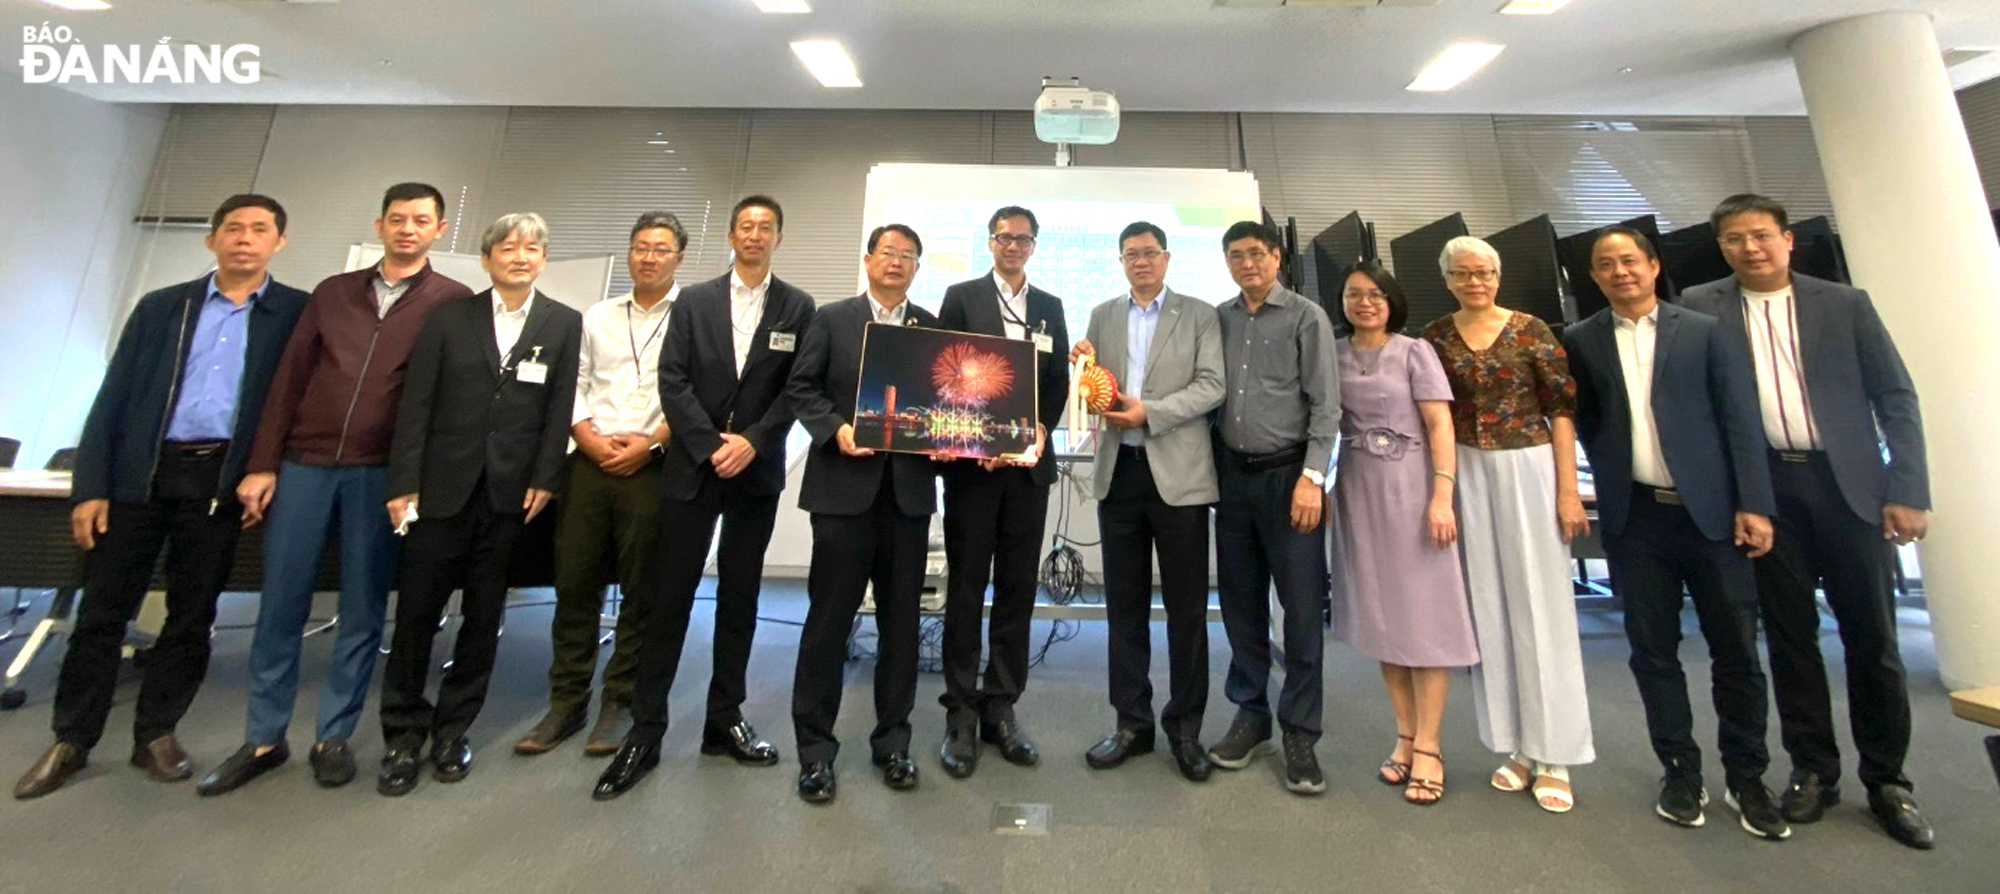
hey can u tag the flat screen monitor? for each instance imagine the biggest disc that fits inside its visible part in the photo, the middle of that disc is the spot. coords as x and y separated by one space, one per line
1344 243
1416 256
1574 252
1816 250
1691 257
1531 279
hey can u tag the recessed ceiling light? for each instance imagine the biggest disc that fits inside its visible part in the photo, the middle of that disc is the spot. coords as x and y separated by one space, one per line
1455 65
784 6
828 62
1626 70
1532 7
79 5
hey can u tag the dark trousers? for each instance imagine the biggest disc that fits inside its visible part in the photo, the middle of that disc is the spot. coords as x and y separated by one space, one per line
607 522
468 551
198 529
687 527
880 546
1821 541
1659 553
993 525
1132 520
1255 544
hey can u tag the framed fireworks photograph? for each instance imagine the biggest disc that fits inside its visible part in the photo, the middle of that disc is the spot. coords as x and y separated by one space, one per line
937 391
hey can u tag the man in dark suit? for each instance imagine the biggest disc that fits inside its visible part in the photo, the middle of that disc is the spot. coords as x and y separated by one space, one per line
478 452
162 450
1667 410
871 525
1831 389
994 510
729 351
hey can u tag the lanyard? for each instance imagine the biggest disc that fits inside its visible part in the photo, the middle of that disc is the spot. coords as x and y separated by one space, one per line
638 371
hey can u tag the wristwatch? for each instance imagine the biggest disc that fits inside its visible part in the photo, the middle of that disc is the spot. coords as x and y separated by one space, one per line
1315 476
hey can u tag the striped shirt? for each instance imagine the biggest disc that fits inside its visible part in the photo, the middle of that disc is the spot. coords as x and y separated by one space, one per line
1771 321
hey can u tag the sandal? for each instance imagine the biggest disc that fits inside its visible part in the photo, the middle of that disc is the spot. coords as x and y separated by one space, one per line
1394 772
1513 775
1563 797
1434 787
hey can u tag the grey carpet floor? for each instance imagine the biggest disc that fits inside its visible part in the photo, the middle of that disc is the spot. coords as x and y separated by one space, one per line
702 823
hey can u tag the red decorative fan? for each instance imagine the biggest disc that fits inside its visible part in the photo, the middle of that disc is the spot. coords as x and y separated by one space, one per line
1096 388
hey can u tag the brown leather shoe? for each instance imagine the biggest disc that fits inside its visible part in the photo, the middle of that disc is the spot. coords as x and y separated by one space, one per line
613 723
55 767
163 759
555 726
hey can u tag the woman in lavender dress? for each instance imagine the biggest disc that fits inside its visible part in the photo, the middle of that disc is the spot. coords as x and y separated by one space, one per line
1402 596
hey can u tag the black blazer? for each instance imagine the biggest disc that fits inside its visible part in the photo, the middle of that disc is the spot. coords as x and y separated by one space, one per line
466 413
1861 394
1704 406
704 397
974 306
121 438
824 381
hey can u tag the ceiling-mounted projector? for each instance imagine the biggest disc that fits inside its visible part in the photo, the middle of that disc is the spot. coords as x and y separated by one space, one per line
1073 113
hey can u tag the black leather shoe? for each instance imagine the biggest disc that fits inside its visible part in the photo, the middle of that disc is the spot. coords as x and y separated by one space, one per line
452 759
400 768
816 783
634 760
1897 809
55 767
1015 746
162 759
898 771
246 764
1806 799
740 741
1117 747
555 726
1192 759
332 762
960 752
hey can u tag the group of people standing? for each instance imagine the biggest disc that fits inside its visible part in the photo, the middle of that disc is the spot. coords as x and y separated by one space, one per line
430 425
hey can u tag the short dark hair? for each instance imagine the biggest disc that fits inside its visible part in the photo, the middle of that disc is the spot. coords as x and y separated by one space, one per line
1139 228
404 192
1749 203
907 233
1399 304
246 200
654 220
1250 229
1640 239
757 200
1034 226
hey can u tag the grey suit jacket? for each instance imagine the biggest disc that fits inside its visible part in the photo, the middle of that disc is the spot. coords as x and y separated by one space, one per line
1860 393
1183 383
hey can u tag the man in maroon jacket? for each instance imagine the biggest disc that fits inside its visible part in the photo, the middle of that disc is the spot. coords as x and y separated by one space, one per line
321 454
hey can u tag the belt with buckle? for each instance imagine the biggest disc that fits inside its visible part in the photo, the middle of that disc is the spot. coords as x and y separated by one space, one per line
196 449
1255 462
1663 495
1795 456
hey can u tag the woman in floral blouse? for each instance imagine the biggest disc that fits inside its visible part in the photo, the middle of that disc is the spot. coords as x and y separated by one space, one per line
1512 412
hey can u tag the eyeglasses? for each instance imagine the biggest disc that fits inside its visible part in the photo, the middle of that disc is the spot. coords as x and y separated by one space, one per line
1013 239
639 251
1254 256
1134 257
904 256
1370 296
1761 238
1478 276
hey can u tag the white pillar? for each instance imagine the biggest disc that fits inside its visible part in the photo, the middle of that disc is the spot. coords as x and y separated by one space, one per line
1914 222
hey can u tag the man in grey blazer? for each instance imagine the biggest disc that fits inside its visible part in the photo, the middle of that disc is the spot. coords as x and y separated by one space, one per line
1154 481
1831 389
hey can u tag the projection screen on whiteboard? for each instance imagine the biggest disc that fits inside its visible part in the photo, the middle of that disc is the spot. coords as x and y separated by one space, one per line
1081 211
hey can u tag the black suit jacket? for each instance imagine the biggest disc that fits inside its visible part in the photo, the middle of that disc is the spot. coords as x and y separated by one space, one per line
1860 392
974 306
466 413
824 381
1704 406
704 397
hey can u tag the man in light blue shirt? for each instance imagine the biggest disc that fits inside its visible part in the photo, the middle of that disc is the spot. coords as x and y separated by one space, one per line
206 410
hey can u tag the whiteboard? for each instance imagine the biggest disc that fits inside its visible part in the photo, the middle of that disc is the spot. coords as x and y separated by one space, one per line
577 282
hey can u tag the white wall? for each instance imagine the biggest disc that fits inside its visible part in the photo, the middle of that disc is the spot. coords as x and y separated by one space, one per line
75 170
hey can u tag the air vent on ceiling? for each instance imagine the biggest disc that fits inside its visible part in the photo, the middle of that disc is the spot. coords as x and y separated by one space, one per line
1962 55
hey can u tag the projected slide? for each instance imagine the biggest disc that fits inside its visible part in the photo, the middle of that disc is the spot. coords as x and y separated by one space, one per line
1081 211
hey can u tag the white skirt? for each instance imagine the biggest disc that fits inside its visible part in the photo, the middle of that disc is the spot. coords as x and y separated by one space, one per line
1528 688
